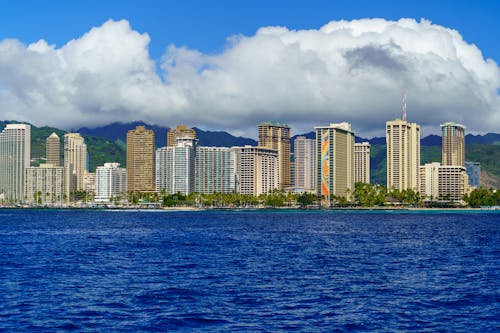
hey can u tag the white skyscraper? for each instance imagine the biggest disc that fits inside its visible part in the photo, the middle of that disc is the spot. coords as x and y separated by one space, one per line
305 163
175 167
215 170
111 182
15 146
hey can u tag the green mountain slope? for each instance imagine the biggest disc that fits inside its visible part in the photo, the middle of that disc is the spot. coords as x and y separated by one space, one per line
487 155
100 150
103 150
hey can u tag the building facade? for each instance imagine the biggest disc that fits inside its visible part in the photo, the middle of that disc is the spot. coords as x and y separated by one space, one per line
453 144
362 162
111 182
429 181
175 167
473 170
453 182
257 170
15 153
53 150
403 155
334 162
140 160
75 164
305 163
44 184
89 183
445 183
277 136
181 131
215 170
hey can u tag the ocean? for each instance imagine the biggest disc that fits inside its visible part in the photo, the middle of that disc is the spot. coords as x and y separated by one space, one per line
249 271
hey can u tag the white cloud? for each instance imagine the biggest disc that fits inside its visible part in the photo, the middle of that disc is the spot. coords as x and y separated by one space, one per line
352 71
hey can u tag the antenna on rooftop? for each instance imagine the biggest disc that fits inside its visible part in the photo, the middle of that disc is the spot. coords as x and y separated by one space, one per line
404 107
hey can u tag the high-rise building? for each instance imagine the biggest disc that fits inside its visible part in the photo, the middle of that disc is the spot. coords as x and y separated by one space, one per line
111 182
447 183
429 181
53 150
257 170
175 167
453 182
277 136
215 170
305 163
75 163
453 144
89 183
15 146
44 184
181 131
362 162
473 170
140 160
403 155
334 162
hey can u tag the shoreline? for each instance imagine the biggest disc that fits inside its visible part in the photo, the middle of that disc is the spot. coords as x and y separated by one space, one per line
194 209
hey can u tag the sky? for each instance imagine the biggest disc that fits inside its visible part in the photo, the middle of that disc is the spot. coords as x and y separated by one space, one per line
228 65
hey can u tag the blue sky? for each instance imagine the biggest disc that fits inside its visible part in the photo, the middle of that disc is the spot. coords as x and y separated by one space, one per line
205 25
306 68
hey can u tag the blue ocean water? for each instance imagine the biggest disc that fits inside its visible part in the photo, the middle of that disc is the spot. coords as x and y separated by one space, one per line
249 271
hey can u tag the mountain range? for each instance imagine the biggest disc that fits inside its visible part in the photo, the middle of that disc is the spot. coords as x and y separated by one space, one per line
107 144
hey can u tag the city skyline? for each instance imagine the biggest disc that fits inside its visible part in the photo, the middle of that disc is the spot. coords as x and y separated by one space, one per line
339 66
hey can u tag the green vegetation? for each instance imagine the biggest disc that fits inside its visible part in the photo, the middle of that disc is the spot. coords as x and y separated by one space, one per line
369 195
100 150
483 197
487 155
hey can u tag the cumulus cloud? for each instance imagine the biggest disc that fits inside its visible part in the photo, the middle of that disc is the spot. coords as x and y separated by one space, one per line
353 71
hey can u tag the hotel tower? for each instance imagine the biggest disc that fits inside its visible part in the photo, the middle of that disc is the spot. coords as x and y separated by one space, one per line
334 162
277 136
453 144
140 160
53 150
75 163
15 154
403 153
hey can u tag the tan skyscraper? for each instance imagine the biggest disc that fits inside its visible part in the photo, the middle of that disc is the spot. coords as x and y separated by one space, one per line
335 162
53 150
362 162
305 163
403 155
277 136
181 131
453 144
44 184
256 169
75 163
140 160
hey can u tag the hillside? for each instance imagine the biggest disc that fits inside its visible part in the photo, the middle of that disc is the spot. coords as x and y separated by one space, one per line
100 150
118 131
487 154
107 144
